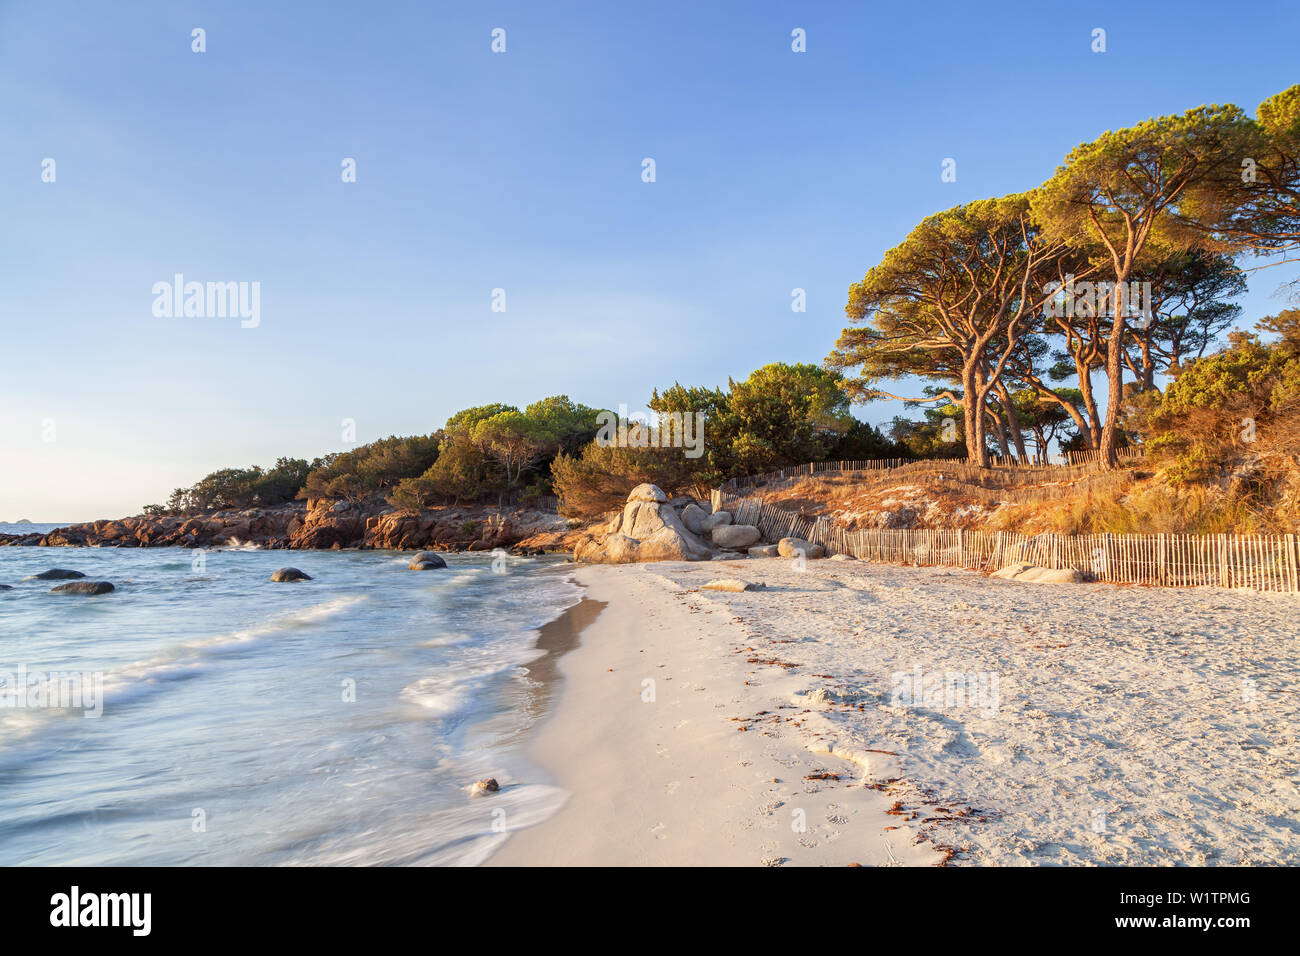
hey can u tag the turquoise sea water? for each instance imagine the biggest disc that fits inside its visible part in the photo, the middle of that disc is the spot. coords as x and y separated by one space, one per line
338 720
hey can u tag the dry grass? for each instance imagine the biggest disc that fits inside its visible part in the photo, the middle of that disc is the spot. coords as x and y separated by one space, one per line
1121 502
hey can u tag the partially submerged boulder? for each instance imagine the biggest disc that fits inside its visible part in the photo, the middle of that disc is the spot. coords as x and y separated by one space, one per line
427 561
1032 574
289 574
57 574
736 536
83 587
485 786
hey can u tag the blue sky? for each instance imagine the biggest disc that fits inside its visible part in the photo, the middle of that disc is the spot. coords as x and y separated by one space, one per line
520 171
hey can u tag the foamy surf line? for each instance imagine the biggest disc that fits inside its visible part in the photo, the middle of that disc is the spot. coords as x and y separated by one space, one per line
149 676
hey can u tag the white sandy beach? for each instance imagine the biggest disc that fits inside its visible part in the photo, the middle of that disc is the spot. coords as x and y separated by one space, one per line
1112 725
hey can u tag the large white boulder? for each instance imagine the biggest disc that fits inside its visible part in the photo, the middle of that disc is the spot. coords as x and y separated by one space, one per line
736 536
717 520
647 530
693 516
647 492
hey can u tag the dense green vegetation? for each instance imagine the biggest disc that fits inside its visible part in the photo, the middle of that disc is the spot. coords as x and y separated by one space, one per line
1238 404
1122 264
780 415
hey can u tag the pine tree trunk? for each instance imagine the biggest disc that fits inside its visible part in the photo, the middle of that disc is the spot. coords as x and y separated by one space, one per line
1115 377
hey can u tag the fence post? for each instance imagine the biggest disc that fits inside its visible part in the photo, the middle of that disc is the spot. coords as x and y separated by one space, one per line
1291 563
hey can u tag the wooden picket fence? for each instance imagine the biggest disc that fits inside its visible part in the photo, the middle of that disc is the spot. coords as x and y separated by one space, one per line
1262 562
1074 465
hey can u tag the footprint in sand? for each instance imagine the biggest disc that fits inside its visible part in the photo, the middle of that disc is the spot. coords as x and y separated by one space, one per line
680 724
672 787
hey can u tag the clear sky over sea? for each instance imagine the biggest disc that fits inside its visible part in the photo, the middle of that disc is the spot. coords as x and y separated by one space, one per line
520 171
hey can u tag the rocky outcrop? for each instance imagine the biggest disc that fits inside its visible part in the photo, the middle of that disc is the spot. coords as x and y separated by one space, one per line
648 529
325 524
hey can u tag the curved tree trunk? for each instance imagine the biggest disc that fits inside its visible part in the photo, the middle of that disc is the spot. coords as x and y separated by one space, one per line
1115 376
972 412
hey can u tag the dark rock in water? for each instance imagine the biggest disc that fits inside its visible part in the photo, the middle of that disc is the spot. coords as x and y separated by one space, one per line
290 574
83 587
427 561
486 785
57 574
6 587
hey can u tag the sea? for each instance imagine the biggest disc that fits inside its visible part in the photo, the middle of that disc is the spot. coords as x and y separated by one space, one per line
201 714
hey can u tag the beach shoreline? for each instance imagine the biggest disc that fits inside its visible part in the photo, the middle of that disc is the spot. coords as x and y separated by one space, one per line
702 727
646 739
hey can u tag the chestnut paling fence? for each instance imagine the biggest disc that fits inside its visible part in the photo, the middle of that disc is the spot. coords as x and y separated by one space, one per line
1076 464
1262 562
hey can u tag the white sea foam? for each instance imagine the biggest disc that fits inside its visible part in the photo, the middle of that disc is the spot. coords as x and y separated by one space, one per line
344 730
180 662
